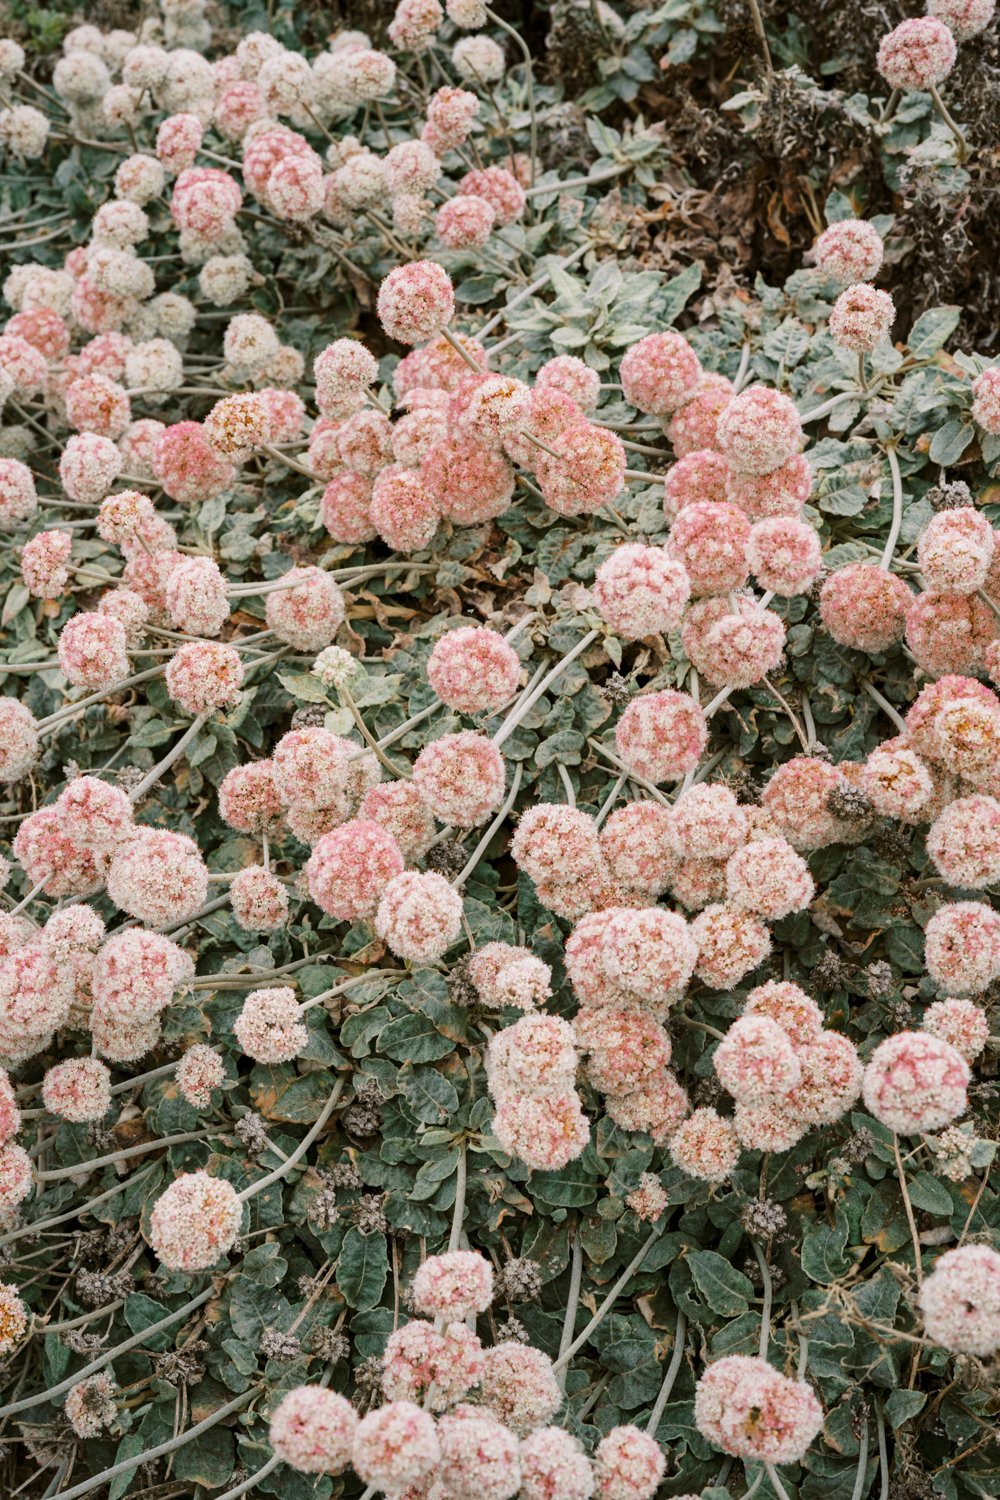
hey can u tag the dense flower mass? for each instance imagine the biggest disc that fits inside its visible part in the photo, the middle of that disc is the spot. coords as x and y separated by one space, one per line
500 751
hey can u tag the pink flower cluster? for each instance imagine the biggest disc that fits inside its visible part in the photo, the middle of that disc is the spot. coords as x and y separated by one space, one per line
531 1069
747 1408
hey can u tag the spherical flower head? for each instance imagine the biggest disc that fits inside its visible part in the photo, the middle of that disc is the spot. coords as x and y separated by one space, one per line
849 251
237 425
545 1134
661 736
861 318
158 876
479 1456
415 302
23 364
548 416
248 797
707 823
657 1108
95 815
419 916
964 841
308 611
571 377
635 843
178 141
797 798
519 1387
478 59
363 442
917 54
459 477
18 498
660 373
832 1075
557 843
268 1028
350 867
641 591
769 878
741 646
789 1007
196 597
259 899
782 492
960 1301
649 1202
312 1430
784 554
345 508
461 778
966 18
137 974
91 1406
915 1082
494 407
195 1221
78 1090
759 430
865 606
627 1048
537 1056
92 651
949 633
473 670
432 1367
584 471
404 510
756 1060
199 1071
750 1410
187 466
398 808
96 404
19 743
121 1041
499 188
395 1446
962 1024
705 1146
649 952
505 975
465 222
44 563
628 1465
13 1319
947 693
693 427
896 781
205 200
343 371
89 466
554 1466
986 400
10 1115
125 515
204 676
16 1178
731 944
48 853
955 551
709 538
962 947
309 768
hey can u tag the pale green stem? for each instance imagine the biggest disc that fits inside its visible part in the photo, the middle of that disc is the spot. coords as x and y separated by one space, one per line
128 1154
300 1150
147 1455
859 1478
173 754
529 291
572 1299
458 1213
908 1206
481 847
610 1300
670 1376
765 1312
107 1355
525 51
897 506
884 705
524 707
398 772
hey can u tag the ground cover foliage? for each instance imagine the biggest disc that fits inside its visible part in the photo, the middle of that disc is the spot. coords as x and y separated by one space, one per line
723 751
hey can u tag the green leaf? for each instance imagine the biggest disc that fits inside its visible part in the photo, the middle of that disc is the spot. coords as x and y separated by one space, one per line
931 1196
950 442
932 329
362 1269
902 1405
678 290
414 1039
726 1290
304 687
823 1257
430 1095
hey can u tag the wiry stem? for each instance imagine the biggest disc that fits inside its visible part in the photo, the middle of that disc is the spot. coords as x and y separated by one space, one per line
175 753
458 1213
671 1375
572 1299
908 1206
765 1312
610 1300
